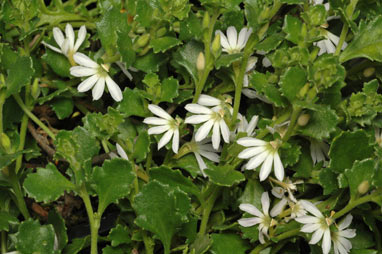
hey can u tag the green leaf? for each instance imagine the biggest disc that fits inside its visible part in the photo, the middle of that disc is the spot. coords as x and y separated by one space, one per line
252 193
34 238
326 71
47 184
6 219
63 107
150 62
228 244
144 13
304 166
77 245
174 179
76 146
355 143
260 83
226 60
186 57
112 250
290 153
328 180
190 28
103 126
161 210
224 175
270 43
361 171
163 44
292 81
169 89
125 48
7 159
55 219
58 62
19 75
141 146
292 27
133 103
119 235
112 181
366 43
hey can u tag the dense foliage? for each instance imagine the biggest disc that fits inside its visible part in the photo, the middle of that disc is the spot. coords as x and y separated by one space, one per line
212 126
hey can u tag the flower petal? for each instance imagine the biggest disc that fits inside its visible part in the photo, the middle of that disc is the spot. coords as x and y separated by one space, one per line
251 209
326 244
165 138
52 47
203 131
197 119
307 219
316 237
224 130
210 155
156 110
216 136
201 163
345 222
81 37
58 36
175 141
223 40
257 160
266 168
310 207
265 202
84 60
279 169
98 88
242 38
279 207
232 37
206 100
114 89
248 141
197 109
250 152
121 152
310 228
70 35
158 129
249 222
87 84
348 233
252 125
155 121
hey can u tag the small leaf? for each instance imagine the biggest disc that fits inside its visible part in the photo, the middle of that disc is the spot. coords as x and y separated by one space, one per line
119 235
6 219
77 245
47 184
361 171
161 210
270 43
144 13
252 193
142 146
103 126
224 175
63 107
186 57
125 48
150 62
34 238
292 81
169 89
58 62
260 83
355 143
292 27
226 60
164 43
328 180
112 181
19 75
133 103
228 244
58 223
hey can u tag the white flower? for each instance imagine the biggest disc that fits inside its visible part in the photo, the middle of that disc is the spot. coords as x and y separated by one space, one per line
165 123
318 151
317 224
234 44
340 243
125 71
244 126
213 118
286 187
98 77
67 45
205 149
262 218
120 152
266 62
329 44
262 152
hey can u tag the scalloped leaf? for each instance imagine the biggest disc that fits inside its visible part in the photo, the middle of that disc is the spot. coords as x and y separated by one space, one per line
224 175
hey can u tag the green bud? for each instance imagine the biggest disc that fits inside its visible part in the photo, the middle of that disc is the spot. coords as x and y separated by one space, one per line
363 187
176 26
5 142
368 72
216 47
303 119
206 20
162 31
303 90
200 62
142 40
35 91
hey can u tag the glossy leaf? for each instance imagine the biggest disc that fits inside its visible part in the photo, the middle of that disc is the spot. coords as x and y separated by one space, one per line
125 48
58 222
292 27
164 43
133 104
228 244
225 60
19 75
292 81
6 219
169 89
63 107
360 172
119 235
186 57
58 62
224 175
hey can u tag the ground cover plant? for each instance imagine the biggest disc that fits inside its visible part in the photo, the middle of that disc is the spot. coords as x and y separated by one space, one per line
175 126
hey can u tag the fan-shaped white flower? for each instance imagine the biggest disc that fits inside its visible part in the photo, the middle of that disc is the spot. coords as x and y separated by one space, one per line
342 245
262 152
244 126
262 218
204 149
317 224
67 46
232 43
329 44
98 77
213 118
318 151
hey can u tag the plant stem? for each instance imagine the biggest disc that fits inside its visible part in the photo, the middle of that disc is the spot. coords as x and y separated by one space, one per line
278 238
23 133
33 117
2 100
207 208
94 220
293 120
344 32
353 203
148 243
3 242
18 194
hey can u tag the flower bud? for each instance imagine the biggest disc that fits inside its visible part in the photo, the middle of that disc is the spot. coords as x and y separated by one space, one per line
162 31
363 187
176 26
142 40
200 62
303 91
303 119
206 20
216 47
5 142
35 90
368 72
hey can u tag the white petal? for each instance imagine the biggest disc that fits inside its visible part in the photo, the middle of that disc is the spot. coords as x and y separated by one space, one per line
252 125
58 36
210 155
98 88
310 228
316 237
155 121
310 207
52 47
257 160
81 38
313 152
249 222
265 202
201 163
224 130
326 244
156 110
206 100
165 138
175 141
266 168
79 71
250 152
245 81
70 35
279 169
266 62
251 209
84 60
261 237
307 219
216 136
251 94
330 48
232 37
279 207
197 109
345 222
345 243
278 192
242 38
223 40
348 233
65 47
334 38
114 89
248 141
340 248
197 119
121 152
158 129
87 84
203 131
